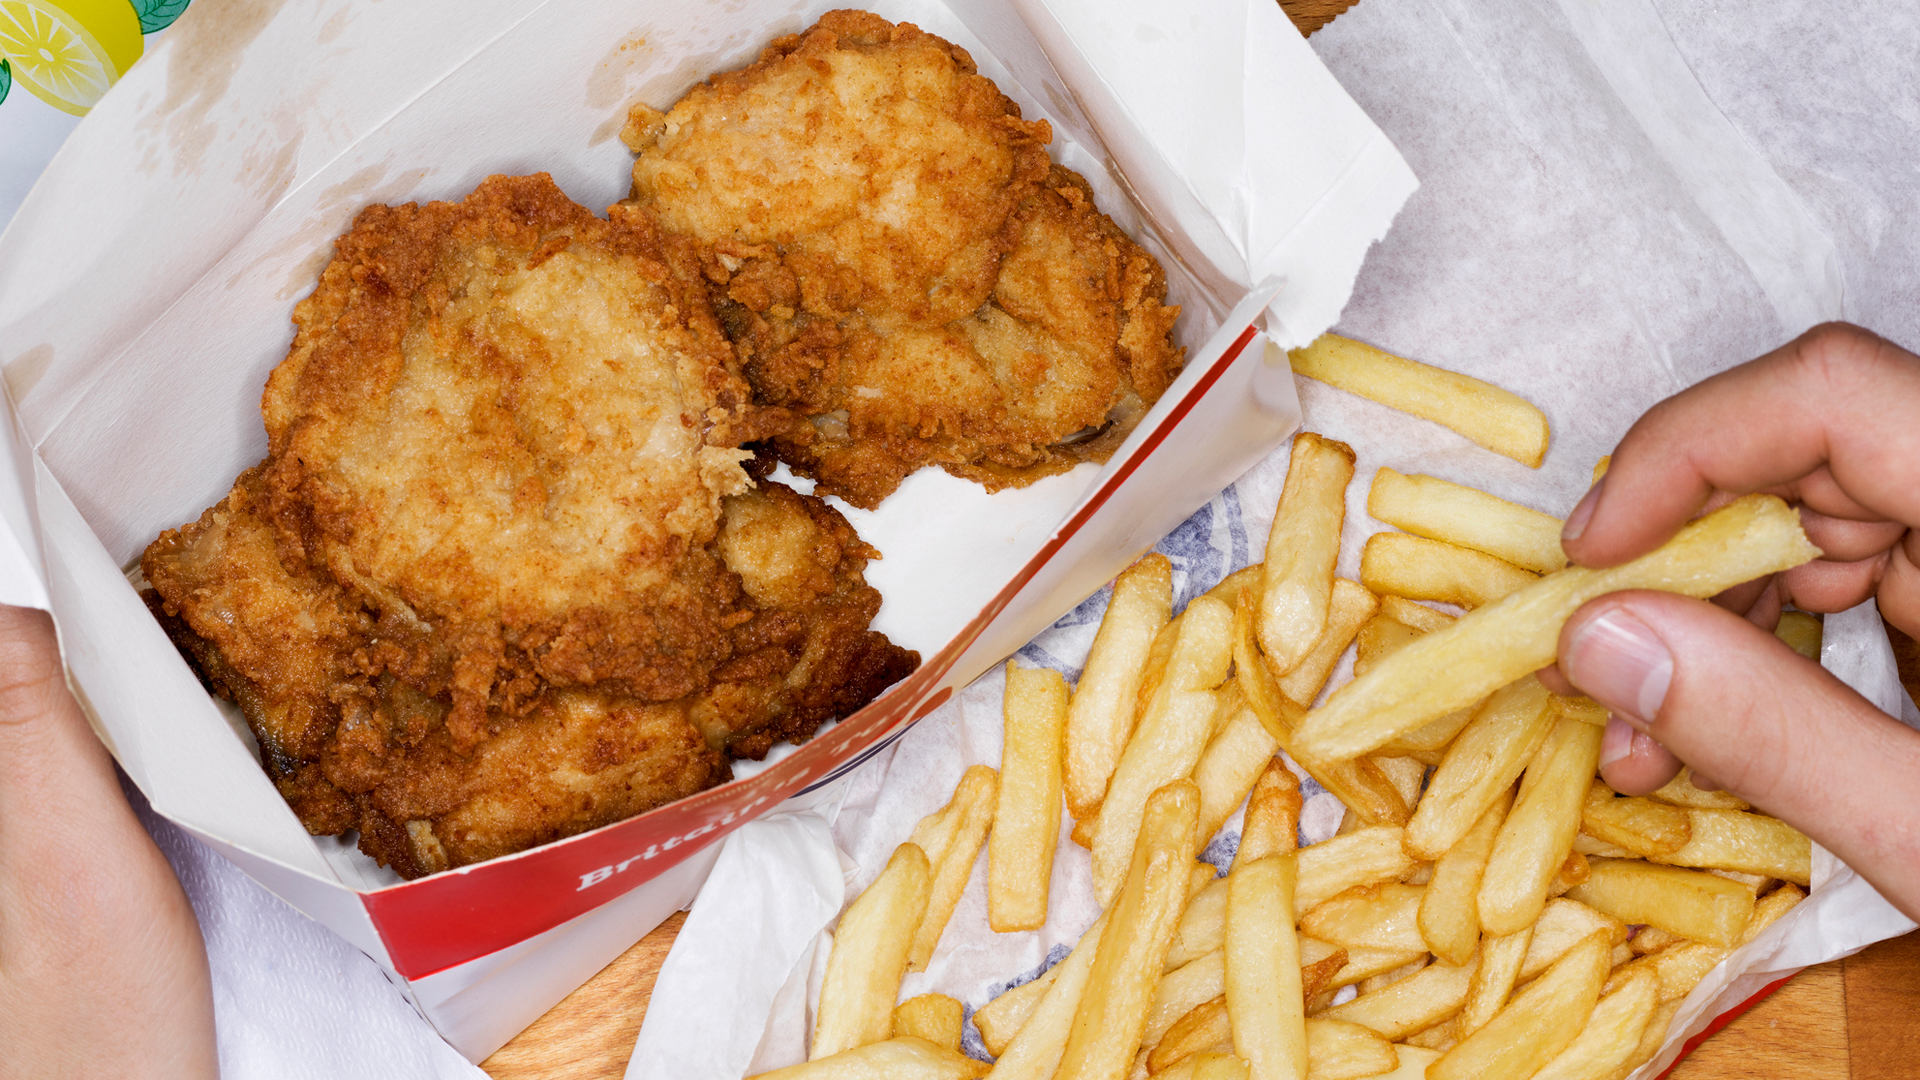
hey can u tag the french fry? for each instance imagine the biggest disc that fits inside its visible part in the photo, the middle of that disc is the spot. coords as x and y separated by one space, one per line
905 1058
1415 1003
1388 978
1000 1020
1493 981
1026 815
1456 514
1264 988
1610 1037
1101 714
870 955
1538 1022
1272 822
1385 634
1588 846
1379 638
1650 939
1302 547
1418 616
1176 728
1748 843
1600 467
1204 1026
1652 1037
1497 419
951 838
1490 647
1348 609
1034 1052
1401 564
1584 709
1485 759
1769 908
1413 1062
1641 826
1362 964
1537 836
1680 792
1802 633
1755 883
1230 765
1182 990
1211 1066
1438 1039
1359 784
1449 911
936 1018
1142 919
1382 916
1339 1050
1676 969
1038 1038
1320 974
1203 926
1562 925
1366 856
1693 904
1406 774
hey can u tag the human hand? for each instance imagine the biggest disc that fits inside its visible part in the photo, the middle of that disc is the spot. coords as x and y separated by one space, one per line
102 968
1831 422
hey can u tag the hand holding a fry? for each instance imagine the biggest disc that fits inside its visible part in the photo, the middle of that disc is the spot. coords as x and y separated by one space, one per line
1831 422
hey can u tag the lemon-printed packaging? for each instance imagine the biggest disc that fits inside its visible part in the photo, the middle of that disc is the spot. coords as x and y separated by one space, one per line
146 287
58 58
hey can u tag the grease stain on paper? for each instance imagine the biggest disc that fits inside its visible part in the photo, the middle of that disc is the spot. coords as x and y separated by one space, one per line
203 51
24 372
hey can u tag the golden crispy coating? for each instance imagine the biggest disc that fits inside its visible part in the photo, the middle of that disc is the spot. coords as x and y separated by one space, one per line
509 424
897 262
503 576
351 746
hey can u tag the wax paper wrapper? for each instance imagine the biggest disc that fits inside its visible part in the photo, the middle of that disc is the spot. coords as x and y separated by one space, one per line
1617 201
145 289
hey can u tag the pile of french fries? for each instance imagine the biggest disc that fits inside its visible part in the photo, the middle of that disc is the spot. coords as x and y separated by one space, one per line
1489 909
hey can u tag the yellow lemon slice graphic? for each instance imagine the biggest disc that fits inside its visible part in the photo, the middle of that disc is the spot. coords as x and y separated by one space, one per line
68 53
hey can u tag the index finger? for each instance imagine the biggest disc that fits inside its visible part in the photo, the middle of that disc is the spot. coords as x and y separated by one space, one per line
1837 397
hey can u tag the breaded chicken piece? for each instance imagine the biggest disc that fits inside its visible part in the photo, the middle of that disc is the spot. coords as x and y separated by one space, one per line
504 576
352 746
508 425
898 263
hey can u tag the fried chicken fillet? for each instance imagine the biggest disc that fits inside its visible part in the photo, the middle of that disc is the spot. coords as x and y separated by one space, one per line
503 576
900 265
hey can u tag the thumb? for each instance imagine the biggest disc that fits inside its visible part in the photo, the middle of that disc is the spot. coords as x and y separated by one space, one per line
1738 705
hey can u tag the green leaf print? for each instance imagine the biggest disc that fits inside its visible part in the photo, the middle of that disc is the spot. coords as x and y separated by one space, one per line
6 78
157 15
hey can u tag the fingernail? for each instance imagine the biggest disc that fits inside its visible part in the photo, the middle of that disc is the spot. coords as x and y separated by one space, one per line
1577 521
1617 743
1620 663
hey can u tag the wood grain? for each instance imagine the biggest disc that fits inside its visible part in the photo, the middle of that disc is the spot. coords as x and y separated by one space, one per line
589 1035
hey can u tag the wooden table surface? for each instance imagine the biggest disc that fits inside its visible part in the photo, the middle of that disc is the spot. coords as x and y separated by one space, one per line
1852 1019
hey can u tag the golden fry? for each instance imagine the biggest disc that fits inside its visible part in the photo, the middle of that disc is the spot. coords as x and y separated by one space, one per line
1456 514
936 1018
1537 836
951 838
1492 646
870 955
1101 714
1301 549
1497 419
1026 816
1401 564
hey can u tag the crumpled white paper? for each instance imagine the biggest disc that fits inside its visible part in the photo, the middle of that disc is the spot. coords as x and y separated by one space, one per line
291 1000
1616 201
